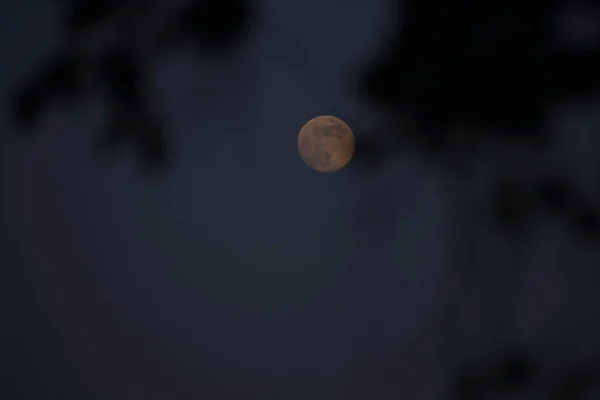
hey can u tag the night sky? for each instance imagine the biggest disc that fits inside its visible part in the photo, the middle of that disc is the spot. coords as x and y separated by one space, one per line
238 272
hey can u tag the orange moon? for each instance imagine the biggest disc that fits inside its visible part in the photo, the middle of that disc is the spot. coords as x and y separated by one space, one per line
326 143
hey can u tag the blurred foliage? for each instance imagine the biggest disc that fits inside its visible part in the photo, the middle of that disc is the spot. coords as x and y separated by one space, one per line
120 68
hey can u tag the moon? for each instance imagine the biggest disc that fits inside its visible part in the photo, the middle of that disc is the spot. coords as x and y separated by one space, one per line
326 143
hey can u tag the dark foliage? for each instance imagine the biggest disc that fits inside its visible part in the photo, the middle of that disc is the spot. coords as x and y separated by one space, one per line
79 15
519 372
512 203
586 222
494 64
215 27
58 80
556 195
496 67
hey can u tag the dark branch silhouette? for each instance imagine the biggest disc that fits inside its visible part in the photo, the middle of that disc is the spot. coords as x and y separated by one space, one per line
518 371
120 70
496 68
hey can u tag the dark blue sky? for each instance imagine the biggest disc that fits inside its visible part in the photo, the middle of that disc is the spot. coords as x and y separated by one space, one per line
240 273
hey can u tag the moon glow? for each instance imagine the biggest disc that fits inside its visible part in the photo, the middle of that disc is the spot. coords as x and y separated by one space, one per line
326 143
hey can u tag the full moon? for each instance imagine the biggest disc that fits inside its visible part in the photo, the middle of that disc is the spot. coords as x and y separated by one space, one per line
326 143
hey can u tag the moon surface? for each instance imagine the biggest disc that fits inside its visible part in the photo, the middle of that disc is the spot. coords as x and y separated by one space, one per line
326 143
